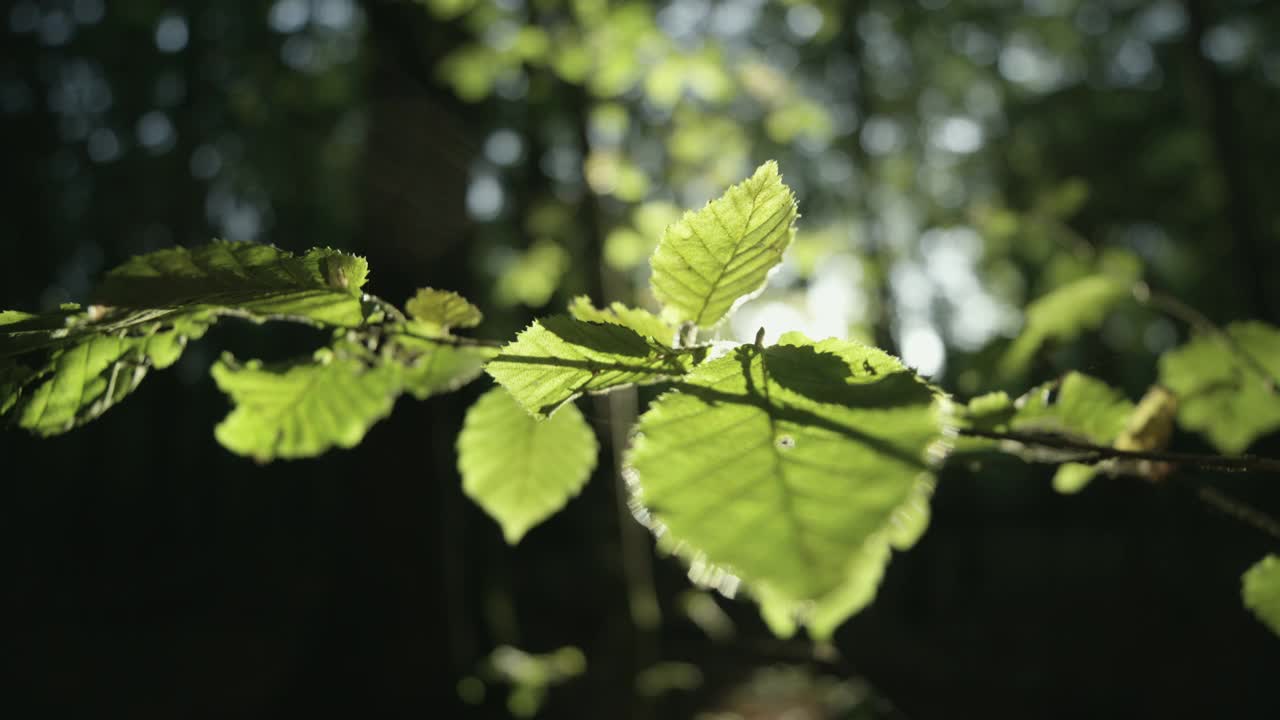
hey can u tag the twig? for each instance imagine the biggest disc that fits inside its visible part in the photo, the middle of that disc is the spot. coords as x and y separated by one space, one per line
452 340
389 308
1093 453
1240 510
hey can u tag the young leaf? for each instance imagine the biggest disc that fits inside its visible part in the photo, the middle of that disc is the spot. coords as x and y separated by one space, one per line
1077 407
779 465
83 379
440 368
642 321
1228 388
257 281
558 358
302 409
714 257
1261 591
519 469
438 311
1063 314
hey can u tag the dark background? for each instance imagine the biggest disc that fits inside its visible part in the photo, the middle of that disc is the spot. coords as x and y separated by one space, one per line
150 573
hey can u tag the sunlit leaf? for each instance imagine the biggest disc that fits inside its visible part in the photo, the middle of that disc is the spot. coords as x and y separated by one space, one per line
9 317
784 466
438 311
1228 388
519 469
863 575
1261 591
712 258
1077 408
558 358
296 410
246 279
83 379
440 368
1073 477
642 321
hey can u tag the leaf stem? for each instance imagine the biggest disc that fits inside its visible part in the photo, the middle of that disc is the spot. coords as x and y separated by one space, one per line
1094 453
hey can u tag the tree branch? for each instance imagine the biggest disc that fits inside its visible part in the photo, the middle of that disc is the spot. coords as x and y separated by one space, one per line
1095 453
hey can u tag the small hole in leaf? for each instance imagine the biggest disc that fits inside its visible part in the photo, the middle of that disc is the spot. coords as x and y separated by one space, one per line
786 442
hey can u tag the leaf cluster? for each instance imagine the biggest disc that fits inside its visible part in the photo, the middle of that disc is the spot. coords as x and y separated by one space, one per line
788 471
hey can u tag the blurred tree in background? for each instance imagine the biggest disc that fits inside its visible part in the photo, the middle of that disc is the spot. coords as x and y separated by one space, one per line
954 160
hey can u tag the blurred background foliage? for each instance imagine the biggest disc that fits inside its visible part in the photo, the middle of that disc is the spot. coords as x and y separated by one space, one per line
953 160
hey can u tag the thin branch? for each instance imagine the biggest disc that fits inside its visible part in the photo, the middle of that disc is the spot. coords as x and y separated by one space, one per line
1094 453
389 308
1239 510
452 340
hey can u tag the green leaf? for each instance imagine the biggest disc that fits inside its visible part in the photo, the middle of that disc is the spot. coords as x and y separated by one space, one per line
1071 478
1078 407
1261 591
558 358
1065 313
10 317
864 572
251 280
711 259
86 377
1227 387
785 466
296 410
642 321
438 311
519 469
438 368
25 333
